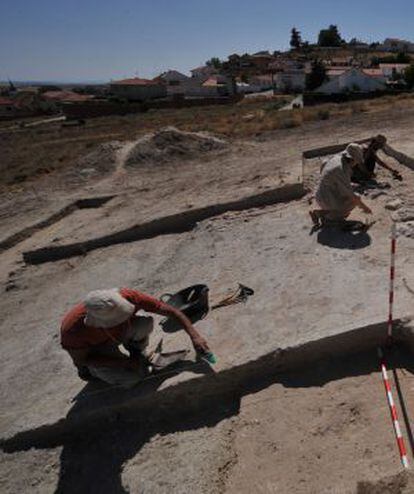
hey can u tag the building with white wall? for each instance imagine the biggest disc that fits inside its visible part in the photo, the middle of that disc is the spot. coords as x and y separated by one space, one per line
351 80
290 80
390 70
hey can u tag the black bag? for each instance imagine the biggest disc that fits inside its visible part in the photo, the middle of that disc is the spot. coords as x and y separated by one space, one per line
192 301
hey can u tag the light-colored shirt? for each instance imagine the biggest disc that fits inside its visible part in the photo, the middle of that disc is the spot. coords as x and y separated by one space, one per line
334 191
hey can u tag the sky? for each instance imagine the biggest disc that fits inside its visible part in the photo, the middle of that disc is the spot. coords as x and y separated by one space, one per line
92 40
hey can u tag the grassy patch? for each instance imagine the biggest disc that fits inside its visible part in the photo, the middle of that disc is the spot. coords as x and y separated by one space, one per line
27 153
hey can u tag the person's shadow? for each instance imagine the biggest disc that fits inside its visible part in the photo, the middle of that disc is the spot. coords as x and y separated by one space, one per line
338 238
95 450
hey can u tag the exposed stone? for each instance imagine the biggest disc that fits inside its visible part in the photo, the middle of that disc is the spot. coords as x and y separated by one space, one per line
406 229
394 205
403 215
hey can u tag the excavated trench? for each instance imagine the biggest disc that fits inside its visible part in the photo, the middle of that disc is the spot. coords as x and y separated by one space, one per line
318 411
402 158
172 224
103 407
22 235
175 223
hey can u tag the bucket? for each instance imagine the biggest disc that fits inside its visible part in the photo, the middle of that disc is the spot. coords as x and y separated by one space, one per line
192 301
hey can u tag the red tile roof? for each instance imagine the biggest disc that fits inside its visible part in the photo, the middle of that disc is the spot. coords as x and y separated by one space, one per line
65 96
135 81
214 81
373 72
6 101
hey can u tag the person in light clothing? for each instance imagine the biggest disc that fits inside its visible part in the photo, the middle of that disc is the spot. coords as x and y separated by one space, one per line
334 194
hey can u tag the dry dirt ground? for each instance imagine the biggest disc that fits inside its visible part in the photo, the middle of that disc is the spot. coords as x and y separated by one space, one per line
274 435
320 430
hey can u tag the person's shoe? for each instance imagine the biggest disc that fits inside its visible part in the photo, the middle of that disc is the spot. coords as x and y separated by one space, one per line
85 375
353 226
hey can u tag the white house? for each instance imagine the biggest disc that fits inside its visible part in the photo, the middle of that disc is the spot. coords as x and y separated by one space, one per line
376 74
391 69
351 80
290 80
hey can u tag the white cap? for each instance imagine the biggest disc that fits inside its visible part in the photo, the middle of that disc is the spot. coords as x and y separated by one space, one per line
107 308
355 152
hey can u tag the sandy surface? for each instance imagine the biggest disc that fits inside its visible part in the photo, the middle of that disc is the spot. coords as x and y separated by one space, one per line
306 435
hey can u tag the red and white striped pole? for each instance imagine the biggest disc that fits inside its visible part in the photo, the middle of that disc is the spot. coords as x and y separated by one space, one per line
392 277
393 410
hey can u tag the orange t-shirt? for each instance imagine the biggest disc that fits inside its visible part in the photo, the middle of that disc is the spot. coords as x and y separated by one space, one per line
74 334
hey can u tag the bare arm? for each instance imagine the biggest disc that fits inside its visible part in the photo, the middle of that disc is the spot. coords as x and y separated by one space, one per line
82 358
387 167
150 304
199 343
357 201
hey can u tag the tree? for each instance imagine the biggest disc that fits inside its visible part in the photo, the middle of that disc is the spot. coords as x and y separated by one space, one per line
403 58
214 62
317 76
295 39
409 76
330 37
306 47
399 58
375 61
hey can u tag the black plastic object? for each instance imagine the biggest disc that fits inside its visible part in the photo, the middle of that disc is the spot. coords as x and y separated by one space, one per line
192 301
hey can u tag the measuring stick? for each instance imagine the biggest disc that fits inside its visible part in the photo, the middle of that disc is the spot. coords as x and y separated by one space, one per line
393 410
392 277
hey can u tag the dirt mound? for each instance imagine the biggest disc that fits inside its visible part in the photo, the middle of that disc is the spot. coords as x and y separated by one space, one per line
99 162
170 144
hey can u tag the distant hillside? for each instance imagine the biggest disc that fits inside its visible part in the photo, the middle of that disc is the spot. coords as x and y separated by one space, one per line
52 83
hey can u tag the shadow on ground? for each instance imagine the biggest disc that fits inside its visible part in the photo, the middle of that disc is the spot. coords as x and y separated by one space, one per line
93 456
340 239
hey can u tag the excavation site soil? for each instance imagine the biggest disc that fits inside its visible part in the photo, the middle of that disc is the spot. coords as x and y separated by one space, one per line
296 401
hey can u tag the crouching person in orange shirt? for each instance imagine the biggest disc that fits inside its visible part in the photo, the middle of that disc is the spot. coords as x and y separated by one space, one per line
93 331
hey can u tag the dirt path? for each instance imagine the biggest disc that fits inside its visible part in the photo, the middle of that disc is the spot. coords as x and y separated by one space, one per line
120 176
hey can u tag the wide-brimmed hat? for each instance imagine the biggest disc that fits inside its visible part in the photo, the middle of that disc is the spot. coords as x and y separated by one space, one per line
107 308
355 152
